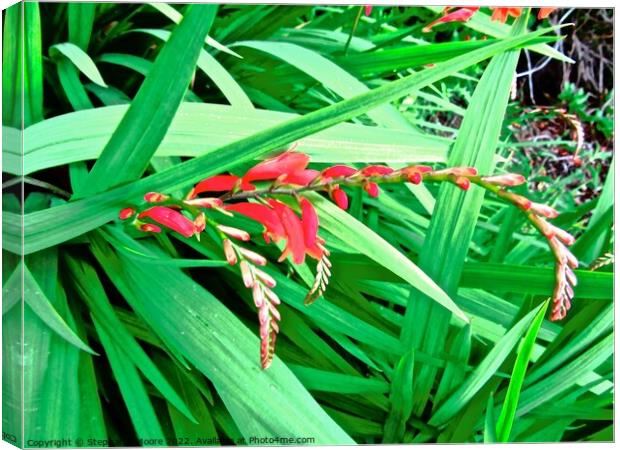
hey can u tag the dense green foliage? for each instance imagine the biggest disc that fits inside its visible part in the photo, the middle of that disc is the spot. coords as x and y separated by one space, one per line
435 324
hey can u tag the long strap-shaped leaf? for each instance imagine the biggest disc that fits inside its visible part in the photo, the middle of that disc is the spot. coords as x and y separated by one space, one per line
46 228
456 213
142 129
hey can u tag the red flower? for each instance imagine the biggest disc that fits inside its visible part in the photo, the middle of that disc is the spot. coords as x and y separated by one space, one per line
171 219
295 244
218 183
274 230
367 9
310 225
460 15
272 168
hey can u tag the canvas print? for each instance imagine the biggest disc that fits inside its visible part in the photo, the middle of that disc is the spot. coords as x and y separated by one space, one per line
304 224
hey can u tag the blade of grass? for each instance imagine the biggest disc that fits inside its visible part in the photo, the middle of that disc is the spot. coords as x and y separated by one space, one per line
484 371
401 399
509 408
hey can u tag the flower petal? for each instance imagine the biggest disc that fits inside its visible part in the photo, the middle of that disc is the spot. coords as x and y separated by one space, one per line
294 232
460 15
310 224
272 168
171 219
262 214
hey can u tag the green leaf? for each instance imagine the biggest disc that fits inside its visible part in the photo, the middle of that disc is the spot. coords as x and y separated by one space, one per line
12 67
146 122
81 17
321 380
141 411
483 371
36 299
214 70
60 140
176 17
80 59
331 75
489 423
506 417
401 399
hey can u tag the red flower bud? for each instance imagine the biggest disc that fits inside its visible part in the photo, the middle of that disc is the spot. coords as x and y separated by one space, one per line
150 228
155 197
338 171
372 189
370 171
340 197
463 183
126 213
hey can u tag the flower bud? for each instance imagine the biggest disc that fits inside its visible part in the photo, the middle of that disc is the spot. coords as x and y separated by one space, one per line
209 202
258 295
234 232
509 179
544 210
273 298
150 228
340 197
463 183
229 251
155 197
126 213
265 278
370 171
257 259
200 222
372 189
246 274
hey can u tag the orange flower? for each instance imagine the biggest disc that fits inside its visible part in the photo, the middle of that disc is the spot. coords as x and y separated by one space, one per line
543 13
